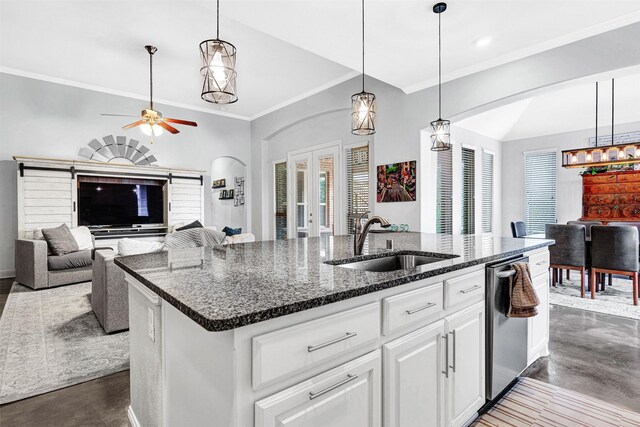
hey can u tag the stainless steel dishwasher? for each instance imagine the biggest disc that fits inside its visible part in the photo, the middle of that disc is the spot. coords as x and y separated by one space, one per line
506 347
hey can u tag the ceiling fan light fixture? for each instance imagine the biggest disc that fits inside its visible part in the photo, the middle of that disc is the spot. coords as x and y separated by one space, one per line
363 104
151 130
218 68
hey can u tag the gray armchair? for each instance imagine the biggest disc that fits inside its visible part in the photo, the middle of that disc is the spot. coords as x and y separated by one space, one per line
109 293
36 269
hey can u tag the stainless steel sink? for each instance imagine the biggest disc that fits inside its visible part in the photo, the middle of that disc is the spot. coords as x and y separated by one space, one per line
393 262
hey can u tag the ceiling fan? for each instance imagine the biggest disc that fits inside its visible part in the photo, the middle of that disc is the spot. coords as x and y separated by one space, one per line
151 121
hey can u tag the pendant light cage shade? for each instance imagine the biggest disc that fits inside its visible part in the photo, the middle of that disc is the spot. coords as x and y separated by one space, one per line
219 71
440 135
363 113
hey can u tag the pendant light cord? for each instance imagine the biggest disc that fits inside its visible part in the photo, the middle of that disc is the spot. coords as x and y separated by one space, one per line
439 66
362 45
218 19
613 109
597 114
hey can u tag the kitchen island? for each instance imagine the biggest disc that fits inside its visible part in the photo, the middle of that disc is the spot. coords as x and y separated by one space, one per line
293 333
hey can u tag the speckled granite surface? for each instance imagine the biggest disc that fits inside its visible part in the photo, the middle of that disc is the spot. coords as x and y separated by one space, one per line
232 286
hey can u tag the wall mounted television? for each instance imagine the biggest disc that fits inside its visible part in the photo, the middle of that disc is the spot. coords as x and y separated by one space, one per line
105 202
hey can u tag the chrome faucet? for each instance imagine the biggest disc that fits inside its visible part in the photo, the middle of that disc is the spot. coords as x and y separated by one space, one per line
360 232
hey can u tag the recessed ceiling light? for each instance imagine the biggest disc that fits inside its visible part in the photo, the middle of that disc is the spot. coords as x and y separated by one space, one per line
482 41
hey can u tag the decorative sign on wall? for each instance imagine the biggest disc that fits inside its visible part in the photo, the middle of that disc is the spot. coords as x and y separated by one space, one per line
117 149
239 193
397 182
621 138
219 183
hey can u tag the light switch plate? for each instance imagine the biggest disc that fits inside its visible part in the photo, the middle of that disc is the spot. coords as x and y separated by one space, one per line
151 326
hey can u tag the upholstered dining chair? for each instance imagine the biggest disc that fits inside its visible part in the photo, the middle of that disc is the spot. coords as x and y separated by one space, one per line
518 229
587 226
569 252
614 250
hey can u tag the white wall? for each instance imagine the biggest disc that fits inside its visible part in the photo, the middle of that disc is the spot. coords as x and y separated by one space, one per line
401 117
223 212
569 196
44 119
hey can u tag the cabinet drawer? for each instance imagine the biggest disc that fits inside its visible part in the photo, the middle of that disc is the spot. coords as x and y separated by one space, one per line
464 289
346 396
293 349
412 307
539 263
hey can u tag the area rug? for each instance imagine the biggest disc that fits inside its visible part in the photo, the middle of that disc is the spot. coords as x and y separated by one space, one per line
616 299
534 403
50 339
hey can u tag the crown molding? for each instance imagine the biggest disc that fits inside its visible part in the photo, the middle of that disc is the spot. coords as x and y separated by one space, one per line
43 77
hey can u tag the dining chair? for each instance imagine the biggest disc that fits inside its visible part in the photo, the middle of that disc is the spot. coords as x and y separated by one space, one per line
569 252
518 229
614 250
587 225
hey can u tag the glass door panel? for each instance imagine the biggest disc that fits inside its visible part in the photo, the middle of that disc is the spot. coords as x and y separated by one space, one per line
302 214
326 198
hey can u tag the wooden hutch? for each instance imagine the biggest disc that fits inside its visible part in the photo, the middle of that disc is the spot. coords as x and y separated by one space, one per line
611 196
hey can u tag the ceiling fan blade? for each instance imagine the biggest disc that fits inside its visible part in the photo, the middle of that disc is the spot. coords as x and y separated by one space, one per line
118 115
168 127
134 124
180 122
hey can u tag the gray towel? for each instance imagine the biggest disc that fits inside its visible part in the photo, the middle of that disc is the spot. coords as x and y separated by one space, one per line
194 238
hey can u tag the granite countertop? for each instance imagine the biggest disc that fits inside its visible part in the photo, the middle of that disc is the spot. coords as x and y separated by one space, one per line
231 286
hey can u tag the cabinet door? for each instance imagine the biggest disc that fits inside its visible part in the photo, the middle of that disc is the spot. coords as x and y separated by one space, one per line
538 338
466 364
347 396
186 201
414 378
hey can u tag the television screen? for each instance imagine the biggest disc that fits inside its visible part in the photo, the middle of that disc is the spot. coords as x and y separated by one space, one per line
120 204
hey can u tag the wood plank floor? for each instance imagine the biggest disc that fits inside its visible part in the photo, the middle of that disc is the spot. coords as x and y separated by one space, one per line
534 403
591 353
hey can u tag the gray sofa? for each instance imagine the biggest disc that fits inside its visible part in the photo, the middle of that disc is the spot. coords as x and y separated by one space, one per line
36 269
109 293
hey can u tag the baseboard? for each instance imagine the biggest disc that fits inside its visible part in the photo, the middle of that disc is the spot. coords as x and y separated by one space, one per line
5 274
133 421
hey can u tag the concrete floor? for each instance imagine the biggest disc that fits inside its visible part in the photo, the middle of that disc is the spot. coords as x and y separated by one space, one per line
594 354
591 353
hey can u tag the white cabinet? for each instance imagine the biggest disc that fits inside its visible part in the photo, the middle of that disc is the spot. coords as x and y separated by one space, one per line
414 378
186 201
346 396
538 336
465 392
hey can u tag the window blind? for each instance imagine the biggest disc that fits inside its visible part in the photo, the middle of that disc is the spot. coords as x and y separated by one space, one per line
540 188
280 188
487 192
357 159
444 196
468 191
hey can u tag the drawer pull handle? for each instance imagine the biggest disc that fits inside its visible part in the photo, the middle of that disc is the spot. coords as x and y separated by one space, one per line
349 378
445 337
541 263
453 365
424 307
313 348
473 288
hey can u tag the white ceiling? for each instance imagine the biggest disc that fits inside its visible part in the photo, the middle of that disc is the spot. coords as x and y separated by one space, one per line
287 49
569 107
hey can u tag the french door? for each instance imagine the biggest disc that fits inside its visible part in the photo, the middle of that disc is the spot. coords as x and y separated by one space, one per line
312 203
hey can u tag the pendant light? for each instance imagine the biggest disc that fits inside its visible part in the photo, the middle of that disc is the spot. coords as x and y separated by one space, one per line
617 155
218 68
363 104
440 129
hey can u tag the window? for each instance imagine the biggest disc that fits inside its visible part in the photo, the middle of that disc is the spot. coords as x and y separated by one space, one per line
468 191
444 196
280 187
539 190
487 192
357 184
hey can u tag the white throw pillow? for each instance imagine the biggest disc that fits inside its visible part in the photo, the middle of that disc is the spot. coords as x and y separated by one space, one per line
83 238
136 247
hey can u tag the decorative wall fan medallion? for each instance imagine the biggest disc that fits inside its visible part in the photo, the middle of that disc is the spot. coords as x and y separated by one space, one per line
118 149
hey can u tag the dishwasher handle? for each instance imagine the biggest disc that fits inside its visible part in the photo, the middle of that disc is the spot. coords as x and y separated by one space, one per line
506 274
